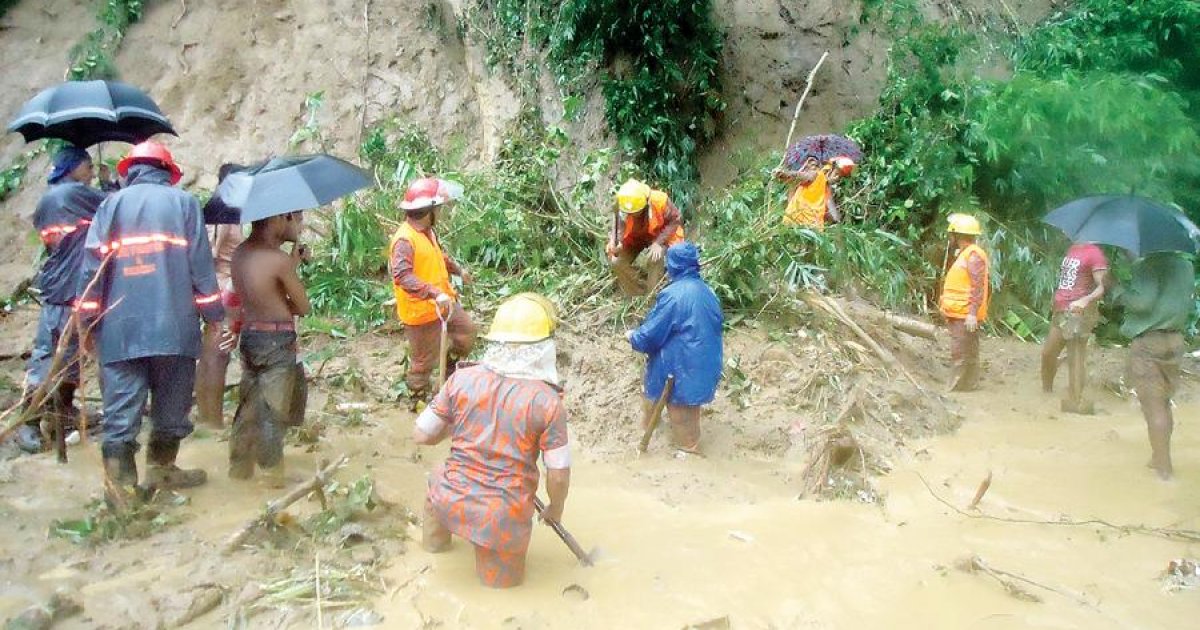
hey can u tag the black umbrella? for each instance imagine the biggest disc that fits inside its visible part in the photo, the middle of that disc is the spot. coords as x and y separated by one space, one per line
285 184
1139 225
89 112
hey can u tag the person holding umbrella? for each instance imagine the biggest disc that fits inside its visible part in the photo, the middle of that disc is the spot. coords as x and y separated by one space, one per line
61 219
966 292
647 220
682 338
272 396
1158 302
148 282
812 199
426 303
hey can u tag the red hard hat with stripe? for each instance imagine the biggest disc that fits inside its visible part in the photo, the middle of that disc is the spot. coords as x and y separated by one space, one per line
150 152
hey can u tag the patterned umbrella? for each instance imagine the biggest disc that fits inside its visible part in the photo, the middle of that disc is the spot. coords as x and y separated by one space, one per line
823 147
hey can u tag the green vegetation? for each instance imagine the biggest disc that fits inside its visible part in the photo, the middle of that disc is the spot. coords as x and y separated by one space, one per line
1097 99
657 62
93 57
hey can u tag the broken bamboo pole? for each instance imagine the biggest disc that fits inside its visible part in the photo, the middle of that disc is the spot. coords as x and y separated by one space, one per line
298 492
912 327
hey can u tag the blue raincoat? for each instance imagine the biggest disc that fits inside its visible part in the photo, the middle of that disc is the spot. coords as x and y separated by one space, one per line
682 333
160 280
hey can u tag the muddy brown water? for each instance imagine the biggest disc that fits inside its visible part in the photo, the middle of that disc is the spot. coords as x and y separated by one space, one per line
688 541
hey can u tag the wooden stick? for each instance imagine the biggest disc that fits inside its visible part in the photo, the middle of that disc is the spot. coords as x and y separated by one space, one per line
565 535
317 576
655 414
800 105
443 349
298 492
912 327
983 488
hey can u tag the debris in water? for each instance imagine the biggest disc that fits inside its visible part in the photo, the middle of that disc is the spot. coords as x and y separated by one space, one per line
576 593
1182 574
360 617
42 616
719 623
741 536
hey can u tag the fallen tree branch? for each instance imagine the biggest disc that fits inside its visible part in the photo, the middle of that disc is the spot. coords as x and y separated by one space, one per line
298 492
912 327
1183 535
976 564
181 15
800 105
983 488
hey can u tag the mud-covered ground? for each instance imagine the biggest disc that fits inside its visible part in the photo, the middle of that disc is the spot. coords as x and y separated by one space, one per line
723 539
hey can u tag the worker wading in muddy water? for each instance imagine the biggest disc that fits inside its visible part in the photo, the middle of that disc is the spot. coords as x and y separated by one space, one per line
646 221
499 415
966 292
273 392
682 338
811 201
61 219
1076 313
421 273
214 355
146 306
1158 303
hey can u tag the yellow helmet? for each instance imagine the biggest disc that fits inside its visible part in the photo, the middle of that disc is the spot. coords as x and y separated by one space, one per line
959 223
632 196
523 318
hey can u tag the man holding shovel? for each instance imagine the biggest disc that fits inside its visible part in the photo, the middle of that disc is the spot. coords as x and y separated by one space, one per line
425 300
682 338
500 415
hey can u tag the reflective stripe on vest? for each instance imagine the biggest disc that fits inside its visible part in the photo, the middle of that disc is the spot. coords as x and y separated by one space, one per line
657 219
956 290
429 265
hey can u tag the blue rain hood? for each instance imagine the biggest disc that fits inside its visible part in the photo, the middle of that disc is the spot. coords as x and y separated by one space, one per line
682 334
65 161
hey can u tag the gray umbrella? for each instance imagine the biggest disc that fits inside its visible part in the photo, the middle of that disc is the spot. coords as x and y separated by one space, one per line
1137 224
88 112
289 183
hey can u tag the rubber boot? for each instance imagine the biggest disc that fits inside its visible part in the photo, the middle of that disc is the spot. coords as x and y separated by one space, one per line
29 435
164 474
120 471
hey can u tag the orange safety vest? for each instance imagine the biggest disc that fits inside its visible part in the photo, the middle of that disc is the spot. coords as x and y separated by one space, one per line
429 264
809 203
956 290
658 218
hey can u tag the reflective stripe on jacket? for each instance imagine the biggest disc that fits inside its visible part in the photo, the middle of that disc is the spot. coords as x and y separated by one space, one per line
656 221
956 290
429 264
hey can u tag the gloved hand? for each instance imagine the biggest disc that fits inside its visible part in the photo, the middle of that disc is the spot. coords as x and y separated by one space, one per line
444 303
972 323
655 252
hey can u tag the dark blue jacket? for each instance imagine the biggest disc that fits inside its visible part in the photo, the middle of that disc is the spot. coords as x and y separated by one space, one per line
62 219
159 279
682 333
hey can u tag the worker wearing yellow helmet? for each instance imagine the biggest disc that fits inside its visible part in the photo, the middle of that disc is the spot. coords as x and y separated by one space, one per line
501 416
646 220
966 292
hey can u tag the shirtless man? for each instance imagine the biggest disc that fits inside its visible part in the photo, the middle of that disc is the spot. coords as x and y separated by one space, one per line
272 395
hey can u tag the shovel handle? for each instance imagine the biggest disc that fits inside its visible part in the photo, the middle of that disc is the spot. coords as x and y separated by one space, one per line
656 414
443 348
565 535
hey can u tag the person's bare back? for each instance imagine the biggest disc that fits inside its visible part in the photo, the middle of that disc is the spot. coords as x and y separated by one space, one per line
266 279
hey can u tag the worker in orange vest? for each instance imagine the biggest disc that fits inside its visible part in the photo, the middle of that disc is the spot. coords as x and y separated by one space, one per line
646 221
421 282
811 201
966 292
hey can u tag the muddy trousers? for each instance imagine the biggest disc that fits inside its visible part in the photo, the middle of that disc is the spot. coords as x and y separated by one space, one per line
964 356
424 344
272 397
1154 368
52 324
1070 331
166 381
629 276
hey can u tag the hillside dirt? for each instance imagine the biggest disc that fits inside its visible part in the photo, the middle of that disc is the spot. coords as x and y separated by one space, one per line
678 541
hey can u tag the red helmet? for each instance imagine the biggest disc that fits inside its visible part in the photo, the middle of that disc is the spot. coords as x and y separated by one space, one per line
150 152
427 192
844 165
